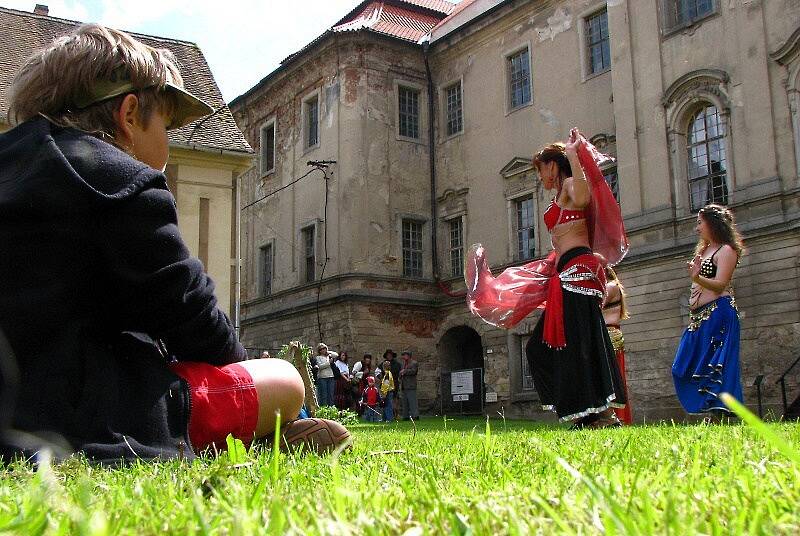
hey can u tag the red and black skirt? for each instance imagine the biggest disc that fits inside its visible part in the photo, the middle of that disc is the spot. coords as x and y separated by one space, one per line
582 377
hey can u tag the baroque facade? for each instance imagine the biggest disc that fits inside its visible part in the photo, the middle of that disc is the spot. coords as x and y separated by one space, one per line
432 111
206 156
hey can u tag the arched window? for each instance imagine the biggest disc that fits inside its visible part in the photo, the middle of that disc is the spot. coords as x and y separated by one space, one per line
707 163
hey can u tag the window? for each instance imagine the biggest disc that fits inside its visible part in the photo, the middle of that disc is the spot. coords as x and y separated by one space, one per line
309 254
266 270
456 247
613 181
597 43
526 243
311 107
519 76
707 163
455 117
412 248
527 377
408 108
680 13
268 148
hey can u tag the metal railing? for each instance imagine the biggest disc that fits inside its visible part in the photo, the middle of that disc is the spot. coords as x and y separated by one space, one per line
782 381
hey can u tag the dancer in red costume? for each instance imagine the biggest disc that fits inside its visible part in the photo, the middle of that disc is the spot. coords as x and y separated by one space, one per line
570 353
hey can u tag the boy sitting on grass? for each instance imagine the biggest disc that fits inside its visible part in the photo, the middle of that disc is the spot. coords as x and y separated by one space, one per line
121 347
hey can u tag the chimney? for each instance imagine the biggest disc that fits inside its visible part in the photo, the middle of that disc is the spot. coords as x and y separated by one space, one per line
41 9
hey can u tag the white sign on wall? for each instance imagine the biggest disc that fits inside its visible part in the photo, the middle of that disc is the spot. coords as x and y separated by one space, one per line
460 398
461 383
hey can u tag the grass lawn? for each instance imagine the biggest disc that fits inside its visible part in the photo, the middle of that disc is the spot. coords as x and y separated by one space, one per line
440 478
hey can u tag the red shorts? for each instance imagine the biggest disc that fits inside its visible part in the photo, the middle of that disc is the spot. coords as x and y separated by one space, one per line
224 401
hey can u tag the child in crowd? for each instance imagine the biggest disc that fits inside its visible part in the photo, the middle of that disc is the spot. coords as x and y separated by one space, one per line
387 390
371 401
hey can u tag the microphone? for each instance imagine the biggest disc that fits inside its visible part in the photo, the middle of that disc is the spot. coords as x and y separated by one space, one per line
320 163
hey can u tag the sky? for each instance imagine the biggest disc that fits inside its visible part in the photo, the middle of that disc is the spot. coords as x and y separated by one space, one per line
242 40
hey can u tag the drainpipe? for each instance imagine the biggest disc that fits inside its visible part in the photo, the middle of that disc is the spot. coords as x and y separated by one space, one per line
432 163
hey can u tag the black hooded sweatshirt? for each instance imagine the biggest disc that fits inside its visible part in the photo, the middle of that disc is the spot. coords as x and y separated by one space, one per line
93 270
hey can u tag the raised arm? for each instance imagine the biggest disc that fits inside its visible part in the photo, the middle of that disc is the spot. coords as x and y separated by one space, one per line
577 187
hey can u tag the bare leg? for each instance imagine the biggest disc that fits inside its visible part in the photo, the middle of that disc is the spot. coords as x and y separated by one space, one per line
280 389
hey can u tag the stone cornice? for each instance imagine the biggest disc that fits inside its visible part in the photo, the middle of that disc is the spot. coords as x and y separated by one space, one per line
706 79
789 50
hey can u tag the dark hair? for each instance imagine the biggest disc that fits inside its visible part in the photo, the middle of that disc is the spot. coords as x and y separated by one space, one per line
555 152
389 351
722 226
367 355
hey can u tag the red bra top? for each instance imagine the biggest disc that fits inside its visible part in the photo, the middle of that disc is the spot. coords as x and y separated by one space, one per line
555 215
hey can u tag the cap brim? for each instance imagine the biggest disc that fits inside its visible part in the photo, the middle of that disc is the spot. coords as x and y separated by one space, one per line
188 107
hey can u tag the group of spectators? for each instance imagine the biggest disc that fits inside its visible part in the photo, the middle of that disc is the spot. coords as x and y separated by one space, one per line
376 391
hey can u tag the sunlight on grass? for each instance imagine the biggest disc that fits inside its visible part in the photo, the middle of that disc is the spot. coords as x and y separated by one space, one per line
438 476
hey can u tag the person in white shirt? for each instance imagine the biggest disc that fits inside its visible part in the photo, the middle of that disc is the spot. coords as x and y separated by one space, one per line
325 380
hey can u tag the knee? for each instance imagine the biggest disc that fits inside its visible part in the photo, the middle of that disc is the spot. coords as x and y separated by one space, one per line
278 384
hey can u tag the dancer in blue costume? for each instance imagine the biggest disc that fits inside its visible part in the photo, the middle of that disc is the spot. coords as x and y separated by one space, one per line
707 361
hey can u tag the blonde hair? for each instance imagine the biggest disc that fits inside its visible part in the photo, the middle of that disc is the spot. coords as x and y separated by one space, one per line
55 79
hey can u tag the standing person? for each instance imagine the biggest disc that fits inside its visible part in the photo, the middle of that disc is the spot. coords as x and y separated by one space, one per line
395 366
114 324
570 353
408 386
707 361
362 369
326 383
387 387
342 392
615 309
371 401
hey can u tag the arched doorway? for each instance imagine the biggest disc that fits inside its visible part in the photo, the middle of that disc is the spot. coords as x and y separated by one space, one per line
461 386
460 348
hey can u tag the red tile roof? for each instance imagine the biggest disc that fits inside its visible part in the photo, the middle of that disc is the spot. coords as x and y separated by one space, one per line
409 20
24 32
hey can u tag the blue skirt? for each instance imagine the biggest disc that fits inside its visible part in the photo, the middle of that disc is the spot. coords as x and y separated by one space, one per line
707 361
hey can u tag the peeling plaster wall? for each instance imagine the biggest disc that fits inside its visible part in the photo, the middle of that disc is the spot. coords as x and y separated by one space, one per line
377 180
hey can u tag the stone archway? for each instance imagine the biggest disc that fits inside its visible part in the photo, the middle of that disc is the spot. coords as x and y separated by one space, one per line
460 348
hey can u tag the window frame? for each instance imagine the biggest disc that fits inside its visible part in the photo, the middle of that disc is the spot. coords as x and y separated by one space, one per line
264 288
311 97
401 88
721 139
446 108
406 269
507 56
308 231
271 122
586 46
459 248
516 230
669 22
608 170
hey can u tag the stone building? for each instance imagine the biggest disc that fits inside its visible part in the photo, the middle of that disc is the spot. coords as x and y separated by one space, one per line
206 157
697 99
